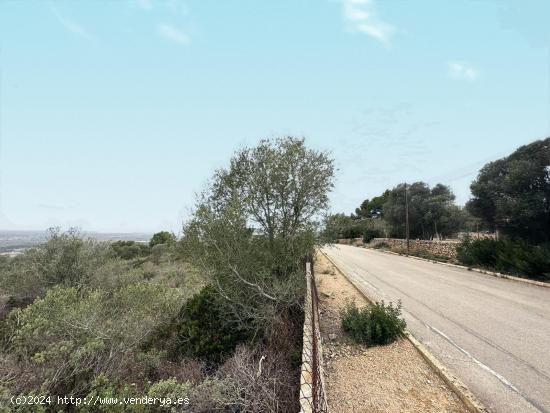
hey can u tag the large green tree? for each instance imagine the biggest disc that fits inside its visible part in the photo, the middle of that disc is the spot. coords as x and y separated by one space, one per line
432 212
373 208
342 226
512 194
254 225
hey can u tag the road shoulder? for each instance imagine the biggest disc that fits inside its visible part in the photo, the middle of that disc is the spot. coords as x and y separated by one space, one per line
393 378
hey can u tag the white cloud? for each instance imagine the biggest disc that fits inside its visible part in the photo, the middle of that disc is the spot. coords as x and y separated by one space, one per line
361 16
173 34
72 26
462 70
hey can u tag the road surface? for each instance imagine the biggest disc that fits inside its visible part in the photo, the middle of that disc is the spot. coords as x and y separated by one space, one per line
492 333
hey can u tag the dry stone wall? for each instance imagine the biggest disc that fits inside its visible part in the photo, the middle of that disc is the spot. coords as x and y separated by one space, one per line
440 248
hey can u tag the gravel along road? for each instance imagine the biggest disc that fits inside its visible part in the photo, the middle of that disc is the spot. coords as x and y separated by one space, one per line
493 334
380 379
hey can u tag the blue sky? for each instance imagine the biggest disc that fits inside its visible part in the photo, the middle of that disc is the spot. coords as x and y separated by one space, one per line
115 113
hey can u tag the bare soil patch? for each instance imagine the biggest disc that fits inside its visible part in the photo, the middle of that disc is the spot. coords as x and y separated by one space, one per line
393 378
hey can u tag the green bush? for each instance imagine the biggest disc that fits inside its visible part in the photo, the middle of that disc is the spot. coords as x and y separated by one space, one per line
66 259
105 388
128 250
369 234
513 257
208 395
377 324
163 237
204 331
73 333
482 252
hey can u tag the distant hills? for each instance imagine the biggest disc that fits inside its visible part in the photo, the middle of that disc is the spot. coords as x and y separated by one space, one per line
13 241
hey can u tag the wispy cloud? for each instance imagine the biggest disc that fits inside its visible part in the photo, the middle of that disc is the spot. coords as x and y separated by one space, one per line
362 17
178 7
53 207
462 70
171 6
173 34
72 26
145 4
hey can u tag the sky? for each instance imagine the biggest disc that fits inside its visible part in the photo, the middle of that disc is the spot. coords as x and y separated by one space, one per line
114 114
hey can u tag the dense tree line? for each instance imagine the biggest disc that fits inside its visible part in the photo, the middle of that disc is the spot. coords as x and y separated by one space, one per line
432 214
512 195
372 208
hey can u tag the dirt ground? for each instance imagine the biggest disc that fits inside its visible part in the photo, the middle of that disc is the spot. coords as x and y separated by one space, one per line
386 379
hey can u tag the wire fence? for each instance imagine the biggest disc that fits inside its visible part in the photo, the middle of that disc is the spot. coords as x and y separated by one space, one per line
312 385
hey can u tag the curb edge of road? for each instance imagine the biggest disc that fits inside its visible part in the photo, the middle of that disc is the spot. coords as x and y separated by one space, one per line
460 389
478 270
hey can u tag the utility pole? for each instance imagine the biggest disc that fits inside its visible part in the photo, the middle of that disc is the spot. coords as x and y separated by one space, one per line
407 216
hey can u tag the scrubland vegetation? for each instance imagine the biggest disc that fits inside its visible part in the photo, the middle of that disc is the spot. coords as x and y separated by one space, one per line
77 318
215 316
507 256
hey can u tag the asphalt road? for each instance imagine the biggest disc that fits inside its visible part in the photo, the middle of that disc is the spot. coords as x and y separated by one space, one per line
492 333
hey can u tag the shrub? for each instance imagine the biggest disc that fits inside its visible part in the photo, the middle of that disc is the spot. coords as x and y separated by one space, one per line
70 334
163 237
369 234
514 257
377 324
481 252
105 388
399 250
158 251
128 250
381 245
204 331
208 395
65 259
171 389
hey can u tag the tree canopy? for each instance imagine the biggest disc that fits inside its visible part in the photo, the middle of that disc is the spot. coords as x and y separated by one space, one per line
373 208
512 194
432 212
341 226
162 237
254 225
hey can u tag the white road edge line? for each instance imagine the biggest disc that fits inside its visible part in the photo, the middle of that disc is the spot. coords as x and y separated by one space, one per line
479 363
485 367
460 389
